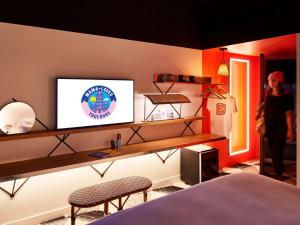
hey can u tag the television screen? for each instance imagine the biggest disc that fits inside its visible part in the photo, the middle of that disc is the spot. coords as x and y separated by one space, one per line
91 102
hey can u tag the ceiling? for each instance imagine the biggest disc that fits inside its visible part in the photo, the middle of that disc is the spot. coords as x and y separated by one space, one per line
281 47
198 24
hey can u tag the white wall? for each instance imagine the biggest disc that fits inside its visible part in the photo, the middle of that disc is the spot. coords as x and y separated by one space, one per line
298 107
31 58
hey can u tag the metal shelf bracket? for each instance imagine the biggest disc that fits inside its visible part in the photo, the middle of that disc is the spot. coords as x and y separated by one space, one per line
13 191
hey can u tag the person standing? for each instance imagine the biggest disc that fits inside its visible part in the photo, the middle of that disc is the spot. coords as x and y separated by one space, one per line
278 115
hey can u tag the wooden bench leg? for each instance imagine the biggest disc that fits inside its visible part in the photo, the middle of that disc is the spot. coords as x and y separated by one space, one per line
73 215
145 196
120 204
106 208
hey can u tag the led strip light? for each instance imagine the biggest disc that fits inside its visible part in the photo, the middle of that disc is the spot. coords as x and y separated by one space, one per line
248 104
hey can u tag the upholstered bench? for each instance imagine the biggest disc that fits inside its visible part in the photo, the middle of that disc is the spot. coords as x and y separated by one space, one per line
106 192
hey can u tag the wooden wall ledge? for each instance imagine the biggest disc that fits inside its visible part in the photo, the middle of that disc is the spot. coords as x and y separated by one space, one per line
39 166
168 98
48 133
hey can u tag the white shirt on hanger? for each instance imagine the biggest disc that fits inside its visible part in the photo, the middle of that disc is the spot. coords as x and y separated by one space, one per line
221 111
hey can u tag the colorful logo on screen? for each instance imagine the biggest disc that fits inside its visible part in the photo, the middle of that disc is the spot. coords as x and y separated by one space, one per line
98 102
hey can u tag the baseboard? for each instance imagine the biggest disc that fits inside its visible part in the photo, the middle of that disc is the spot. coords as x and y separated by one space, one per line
165 182
45 216
48 215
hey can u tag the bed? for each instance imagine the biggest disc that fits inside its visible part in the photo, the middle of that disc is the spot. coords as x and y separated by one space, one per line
237 199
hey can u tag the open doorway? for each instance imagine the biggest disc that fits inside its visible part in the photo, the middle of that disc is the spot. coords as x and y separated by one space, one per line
279 54
288 67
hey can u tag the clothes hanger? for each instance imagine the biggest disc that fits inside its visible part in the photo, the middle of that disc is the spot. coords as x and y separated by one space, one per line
220 90
208 91
218 95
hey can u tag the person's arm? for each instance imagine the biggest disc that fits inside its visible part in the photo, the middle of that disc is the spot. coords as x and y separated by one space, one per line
260 110
289 121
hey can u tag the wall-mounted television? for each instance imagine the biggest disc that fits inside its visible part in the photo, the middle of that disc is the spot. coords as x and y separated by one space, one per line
94 102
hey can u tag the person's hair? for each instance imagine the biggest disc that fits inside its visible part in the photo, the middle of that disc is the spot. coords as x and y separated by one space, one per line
280 90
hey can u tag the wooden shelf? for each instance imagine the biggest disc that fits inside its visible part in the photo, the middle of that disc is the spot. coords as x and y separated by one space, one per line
39 166
179 82
186 82
178 78
171 121
48 133
168 99
220 83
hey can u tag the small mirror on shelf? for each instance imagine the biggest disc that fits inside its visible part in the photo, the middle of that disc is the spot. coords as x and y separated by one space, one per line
17 117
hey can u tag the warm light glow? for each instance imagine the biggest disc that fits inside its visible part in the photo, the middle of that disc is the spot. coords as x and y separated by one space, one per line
239 139
223 70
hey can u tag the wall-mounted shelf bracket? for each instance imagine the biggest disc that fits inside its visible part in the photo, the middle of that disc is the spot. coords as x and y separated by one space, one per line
135 132
147 117
61 140
190 122
103 173
171 152
13 191
187 125
167 91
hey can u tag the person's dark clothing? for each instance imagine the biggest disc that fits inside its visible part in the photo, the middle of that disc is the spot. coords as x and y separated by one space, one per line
276 126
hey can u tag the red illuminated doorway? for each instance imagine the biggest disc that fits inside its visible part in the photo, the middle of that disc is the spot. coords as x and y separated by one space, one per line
239 88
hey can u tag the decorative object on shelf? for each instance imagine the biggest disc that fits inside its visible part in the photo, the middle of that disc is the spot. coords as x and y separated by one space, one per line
119 141
181 78
223 68
162 114
112 144
159 115
100 155
160 99
169 114
16 117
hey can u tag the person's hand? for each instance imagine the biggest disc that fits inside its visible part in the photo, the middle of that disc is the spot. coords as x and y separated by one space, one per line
291 135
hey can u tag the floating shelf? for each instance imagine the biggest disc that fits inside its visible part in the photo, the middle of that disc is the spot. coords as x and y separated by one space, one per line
39 166
186 82
220 84
161 78
168 99
48 133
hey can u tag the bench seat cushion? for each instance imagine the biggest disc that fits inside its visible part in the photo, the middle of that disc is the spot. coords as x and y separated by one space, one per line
100 193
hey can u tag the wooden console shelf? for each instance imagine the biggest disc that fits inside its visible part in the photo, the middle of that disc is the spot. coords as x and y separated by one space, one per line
168 98
39 166
177 78
48 133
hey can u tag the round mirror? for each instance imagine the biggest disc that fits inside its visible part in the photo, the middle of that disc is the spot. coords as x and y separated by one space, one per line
16 118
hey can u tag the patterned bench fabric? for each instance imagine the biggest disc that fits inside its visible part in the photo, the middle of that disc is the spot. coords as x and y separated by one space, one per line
100 193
